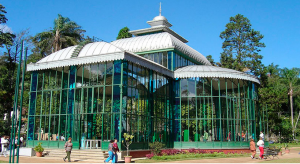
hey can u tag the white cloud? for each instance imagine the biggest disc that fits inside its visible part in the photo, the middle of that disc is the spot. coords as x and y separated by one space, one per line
5 29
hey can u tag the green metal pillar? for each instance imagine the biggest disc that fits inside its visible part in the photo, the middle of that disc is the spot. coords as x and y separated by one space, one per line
21 103
15 109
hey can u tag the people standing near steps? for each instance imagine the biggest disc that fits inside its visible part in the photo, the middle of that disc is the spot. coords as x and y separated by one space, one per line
238 137
243 136
229 136
260 145
2 139
21 141
262 136
110 151
252 148
68 148
5 145
116 150
205 137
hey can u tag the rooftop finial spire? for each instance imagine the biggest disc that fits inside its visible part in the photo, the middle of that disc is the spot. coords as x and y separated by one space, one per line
160 9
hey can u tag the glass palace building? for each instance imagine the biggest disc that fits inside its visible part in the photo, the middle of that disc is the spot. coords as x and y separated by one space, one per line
153 86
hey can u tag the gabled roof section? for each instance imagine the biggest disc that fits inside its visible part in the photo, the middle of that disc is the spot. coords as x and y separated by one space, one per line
90 53
212 71
159 41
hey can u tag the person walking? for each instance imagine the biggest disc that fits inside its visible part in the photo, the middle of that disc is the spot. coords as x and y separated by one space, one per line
115 149
2 139
260 145
252 148
68 148
5 145
110 152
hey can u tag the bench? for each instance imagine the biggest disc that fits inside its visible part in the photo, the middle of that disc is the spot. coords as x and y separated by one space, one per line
271 153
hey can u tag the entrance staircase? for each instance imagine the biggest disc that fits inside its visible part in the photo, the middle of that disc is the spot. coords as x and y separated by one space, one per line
95 155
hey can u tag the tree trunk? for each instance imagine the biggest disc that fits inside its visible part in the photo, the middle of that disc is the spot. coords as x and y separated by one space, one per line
56 40
292 114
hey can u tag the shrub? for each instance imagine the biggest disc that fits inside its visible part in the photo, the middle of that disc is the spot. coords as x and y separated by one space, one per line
149 156
39 148
156 147
170 151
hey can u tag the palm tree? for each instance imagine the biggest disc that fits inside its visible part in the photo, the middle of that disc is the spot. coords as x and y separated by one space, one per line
291 78
64 34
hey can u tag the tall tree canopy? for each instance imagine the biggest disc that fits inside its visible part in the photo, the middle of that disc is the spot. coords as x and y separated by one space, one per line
124 33
241 46
6 38
65 33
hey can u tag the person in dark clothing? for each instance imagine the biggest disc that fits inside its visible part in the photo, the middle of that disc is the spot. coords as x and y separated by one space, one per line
116 149
238 137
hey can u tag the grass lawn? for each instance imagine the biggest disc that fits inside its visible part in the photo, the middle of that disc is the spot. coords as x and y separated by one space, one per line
187 158
3 162
291 160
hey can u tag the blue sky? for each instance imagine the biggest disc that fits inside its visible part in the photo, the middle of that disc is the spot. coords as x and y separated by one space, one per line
199 21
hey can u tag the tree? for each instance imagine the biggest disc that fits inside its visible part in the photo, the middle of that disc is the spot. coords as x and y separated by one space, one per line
6 38
211 60
241 46
65 33
7 76
124 33
291 78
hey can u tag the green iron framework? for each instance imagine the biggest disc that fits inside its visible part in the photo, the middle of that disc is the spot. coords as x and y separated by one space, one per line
104 100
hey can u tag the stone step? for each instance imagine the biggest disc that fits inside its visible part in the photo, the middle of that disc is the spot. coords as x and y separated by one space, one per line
78 155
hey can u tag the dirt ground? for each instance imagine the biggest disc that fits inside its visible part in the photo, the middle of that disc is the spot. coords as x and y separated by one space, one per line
294 153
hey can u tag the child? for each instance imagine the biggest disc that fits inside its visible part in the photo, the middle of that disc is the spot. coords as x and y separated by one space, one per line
68 148
252 148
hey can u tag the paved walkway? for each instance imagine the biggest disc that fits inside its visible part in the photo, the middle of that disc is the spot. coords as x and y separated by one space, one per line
293 154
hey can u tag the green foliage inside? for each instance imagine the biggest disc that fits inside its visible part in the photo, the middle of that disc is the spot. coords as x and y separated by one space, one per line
39 148
156 147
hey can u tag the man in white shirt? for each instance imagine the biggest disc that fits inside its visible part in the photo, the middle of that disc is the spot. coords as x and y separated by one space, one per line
5 145
21 141
2 139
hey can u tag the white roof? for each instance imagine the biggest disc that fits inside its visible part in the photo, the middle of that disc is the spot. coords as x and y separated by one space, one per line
94 53
158 41
212 71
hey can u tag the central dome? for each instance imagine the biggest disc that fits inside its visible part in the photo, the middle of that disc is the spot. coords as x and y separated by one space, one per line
160 18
